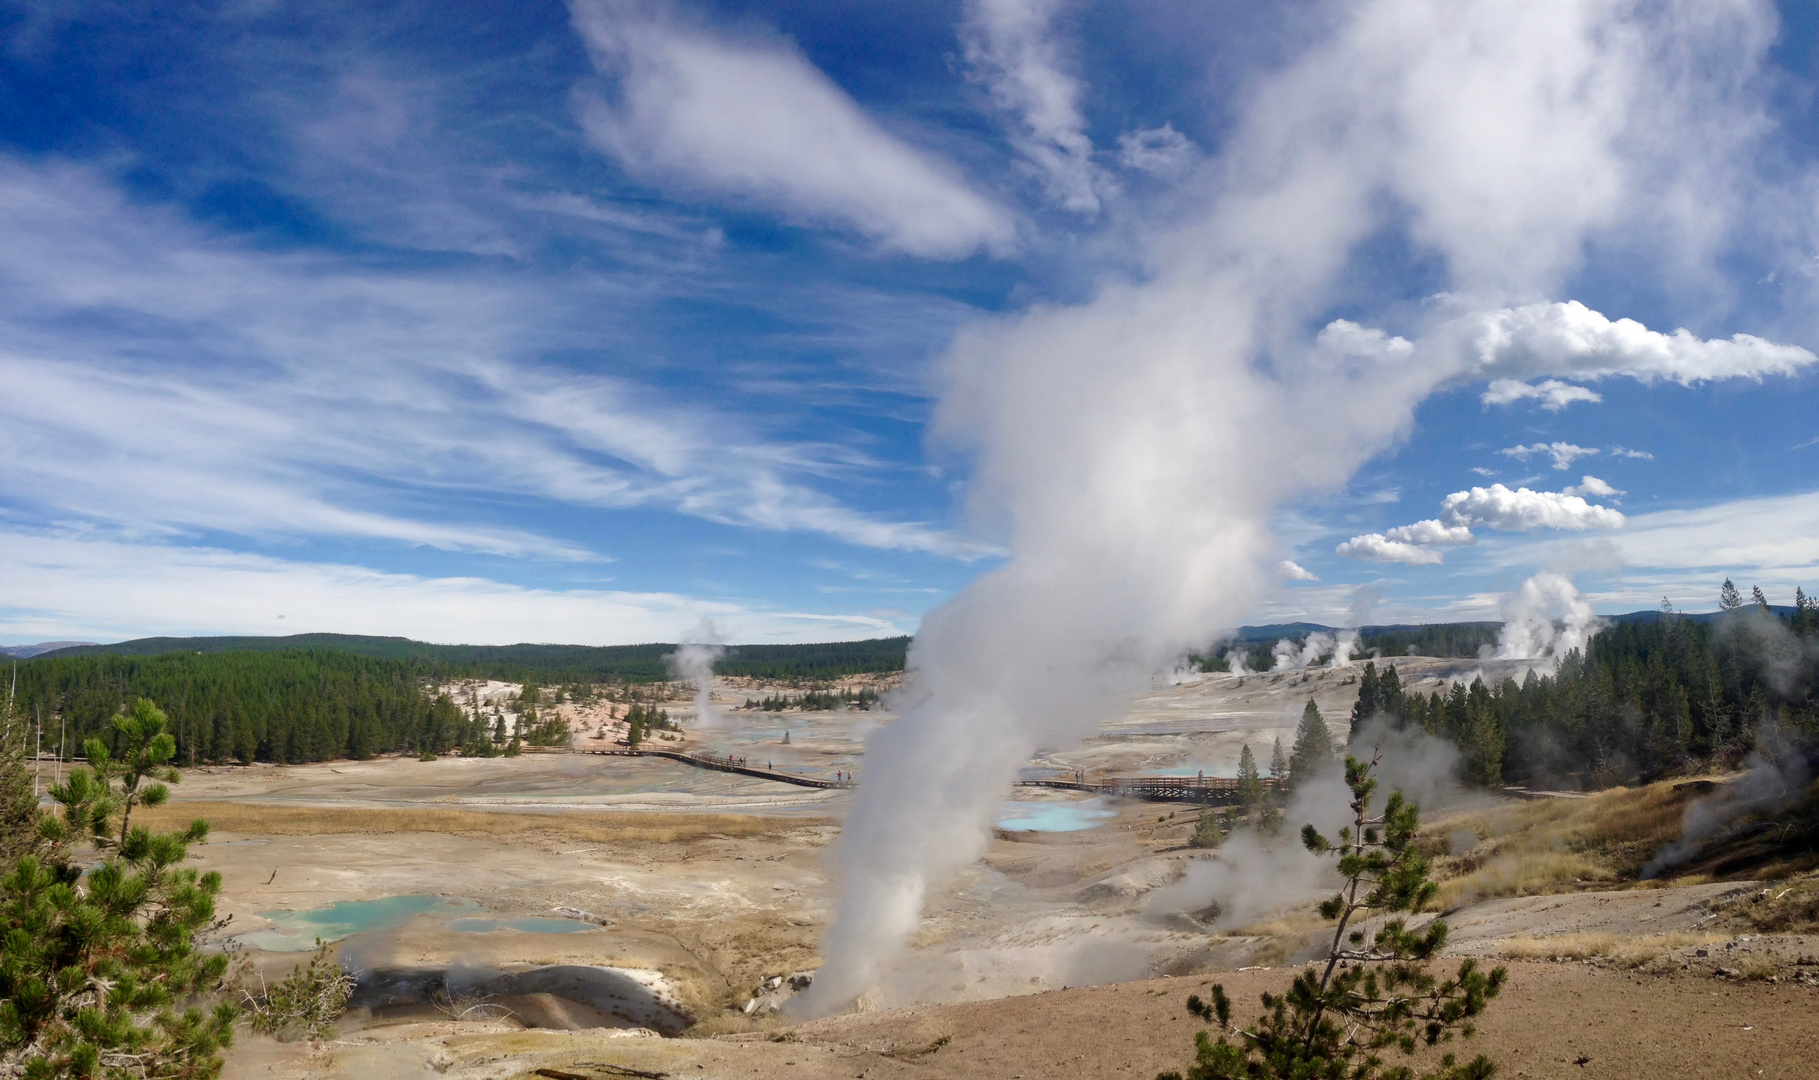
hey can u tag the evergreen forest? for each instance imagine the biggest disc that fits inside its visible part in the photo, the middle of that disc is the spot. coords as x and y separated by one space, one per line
1644 700
546 664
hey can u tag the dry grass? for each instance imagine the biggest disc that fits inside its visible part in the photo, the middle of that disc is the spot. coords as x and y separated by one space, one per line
1558 845
257 819
1759 967
1788 907
1628 951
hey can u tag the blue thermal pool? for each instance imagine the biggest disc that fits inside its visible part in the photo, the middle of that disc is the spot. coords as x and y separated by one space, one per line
529 924
295 931
1054 816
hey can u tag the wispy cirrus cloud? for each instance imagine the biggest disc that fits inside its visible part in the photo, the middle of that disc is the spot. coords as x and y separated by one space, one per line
1011 48
162 378
698 110
1562 453
1552 394
62 583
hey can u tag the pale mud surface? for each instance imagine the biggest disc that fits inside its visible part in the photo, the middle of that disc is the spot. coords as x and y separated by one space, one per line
689 929
1551 1021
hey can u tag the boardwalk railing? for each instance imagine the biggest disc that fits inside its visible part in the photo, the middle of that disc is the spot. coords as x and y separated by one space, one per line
701 759
1211 790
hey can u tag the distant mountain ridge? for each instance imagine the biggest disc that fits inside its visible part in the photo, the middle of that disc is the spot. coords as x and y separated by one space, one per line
548 662
646 662
26 652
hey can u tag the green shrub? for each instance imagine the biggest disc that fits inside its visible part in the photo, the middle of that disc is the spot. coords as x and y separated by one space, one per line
99 974
1374 992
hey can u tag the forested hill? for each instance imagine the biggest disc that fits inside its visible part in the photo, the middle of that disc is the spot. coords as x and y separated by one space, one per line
545 663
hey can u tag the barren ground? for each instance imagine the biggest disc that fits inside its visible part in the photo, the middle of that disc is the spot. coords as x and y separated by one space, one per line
699 885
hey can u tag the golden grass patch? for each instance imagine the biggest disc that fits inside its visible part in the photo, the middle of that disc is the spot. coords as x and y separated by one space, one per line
258 819
1628 951
1557 845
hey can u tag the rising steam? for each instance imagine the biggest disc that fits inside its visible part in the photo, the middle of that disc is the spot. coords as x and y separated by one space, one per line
693 662
1545 620
1335 649
1131 452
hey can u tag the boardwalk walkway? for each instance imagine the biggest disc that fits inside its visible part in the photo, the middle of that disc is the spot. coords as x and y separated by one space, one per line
1199 790
703 760
1209 790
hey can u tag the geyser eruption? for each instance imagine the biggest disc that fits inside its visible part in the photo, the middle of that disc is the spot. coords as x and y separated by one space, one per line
693 661
1131 451
1545 620
1336 649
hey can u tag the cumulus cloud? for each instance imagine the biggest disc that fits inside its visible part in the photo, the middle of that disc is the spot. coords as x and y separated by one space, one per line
1482 471
1553 394
753 119
1294 571
1639 455
1521 510
1591 485
1375 547
1430 532
1510 345
1563 453
1570 338
1010 48
1159 151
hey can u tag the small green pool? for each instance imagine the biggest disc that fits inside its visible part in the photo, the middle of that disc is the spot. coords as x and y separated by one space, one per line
295 931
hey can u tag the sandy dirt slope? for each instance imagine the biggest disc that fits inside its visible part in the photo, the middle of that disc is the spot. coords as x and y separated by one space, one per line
1553 1020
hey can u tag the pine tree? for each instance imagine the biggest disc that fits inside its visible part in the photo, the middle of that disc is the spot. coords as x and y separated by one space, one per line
1278 762
1367 706
1313 746
1250 784
1756 595
94 965
1334 1019
18 805
1729 599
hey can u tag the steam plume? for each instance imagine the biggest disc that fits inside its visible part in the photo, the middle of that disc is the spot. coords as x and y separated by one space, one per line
1249 877
693 661
1132 451
1337 647
1545 619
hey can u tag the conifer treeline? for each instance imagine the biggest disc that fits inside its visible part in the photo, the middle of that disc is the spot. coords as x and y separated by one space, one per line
281 707
817 701
1643 701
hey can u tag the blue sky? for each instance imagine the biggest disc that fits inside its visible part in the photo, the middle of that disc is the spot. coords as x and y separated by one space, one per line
587 322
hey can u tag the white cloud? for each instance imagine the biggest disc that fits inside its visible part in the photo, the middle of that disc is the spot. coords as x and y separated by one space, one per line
753 119
1431 532
1685 553
1294 571
63 585
1482 471
1159 151
1640 455
1571 339
1553 394
1375 547
1497 507
1591 485
1010 48
291 395
1563 453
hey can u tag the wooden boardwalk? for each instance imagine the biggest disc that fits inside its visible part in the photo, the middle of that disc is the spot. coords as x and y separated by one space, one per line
721 763
1199 790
